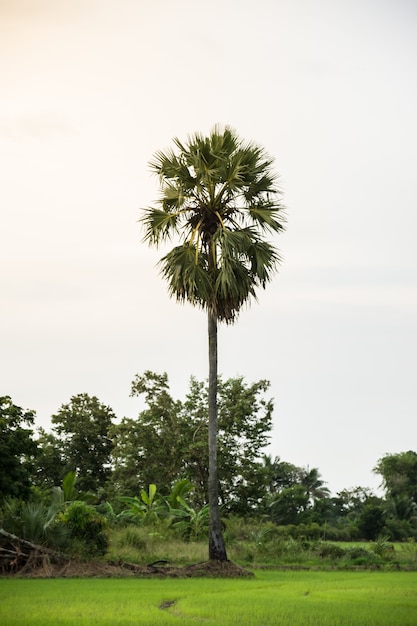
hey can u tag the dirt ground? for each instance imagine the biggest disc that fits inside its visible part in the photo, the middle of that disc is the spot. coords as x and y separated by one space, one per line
44 568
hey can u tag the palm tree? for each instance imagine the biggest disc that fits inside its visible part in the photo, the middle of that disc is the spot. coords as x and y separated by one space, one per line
314 485
219 198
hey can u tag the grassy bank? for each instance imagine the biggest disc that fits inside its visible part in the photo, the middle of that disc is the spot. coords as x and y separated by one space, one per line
257 548
271 598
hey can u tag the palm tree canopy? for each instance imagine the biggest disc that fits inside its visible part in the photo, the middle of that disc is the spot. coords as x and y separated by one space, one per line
219 199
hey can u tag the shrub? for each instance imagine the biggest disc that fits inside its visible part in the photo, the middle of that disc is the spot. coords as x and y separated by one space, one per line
332 533
329 550
383 548
132 537
363 557
33 521
399 530
87 529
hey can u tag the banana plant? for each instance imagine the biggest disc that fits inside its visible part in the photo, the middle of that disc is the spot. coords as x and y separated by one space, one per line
180 489
192 524
147 509
67 492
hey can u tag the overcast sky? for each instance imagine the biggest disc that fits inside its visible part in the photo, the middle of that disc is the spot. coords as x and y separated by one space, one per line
90 89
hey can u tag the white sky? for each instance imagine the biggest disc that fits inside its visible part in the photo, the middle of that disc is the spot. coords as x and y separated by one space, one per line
90 89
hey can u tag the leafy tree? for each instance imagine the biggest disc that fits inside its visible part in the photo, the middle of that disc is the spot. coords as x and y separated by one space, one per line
288 505
219 197
82 430
371 520
350 502
149 449
295 494
50 465
399 478
352 512
17 449
280 474
399 474
168 441
244 425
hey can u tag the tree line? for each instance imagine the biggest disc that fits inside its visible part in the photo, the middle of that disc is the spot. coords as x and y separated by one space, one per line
166 445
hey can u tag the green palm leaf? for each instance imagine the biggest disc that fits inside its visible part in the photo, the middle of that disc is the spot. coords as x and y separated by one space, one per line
219 198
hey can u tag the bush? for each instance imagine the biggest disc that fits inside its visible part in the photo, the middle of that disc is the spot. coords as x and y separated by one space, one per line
399 530
87 529
332 533
329 550
33 521
132 537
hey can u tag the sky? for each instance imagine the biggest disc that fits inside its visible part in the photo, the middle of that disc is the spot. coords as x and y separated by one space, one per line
91 89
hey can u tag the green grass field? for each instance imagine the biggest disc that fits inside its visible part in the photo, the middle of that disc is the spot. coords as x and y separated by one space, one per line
273 597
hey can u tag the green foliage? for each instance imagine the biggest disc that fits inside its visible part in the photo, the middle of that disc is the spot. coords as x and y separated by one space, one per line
371 520
294 495
150 509
18 450
383 548
146 509
81 430
192 524
145 544
50 466
68 490
61 496
219 198
399 474
399 529
244 424
289 504
181 489
168 441
87 529
133 538
33 521
149 449
329 550
38 520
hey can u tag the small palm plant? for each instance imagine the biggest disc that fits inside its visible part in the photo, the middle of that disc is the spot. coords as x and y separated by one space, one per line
219 200
33 521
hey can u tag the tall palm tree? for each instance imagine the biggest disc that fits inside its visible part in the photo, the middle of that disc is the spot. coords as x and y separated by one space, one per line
219 199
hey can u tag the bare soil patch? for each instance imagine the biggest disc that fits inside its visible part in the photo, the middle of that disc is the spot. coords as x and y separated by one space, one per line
42 567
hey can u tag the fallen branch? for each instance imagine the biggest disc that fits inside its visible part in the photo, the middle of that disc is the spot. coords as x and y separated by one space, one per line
32 546
19 554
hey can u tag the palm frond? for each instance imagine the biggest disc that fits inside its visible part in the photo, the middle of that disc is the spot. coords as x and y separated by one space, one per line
218 196
159 225
186 273
268 217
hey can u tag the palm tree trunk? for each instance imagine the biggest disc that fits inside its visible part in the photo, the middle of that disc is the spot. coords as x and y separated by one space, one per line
217 549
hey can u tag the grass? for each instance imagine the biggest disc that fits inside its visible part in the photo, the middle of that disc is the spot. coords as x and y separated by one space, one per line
145 545
140 545
296 598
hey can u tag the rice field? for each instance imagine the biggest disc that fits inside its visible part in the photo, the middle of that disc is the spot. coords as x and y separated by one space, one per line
296 598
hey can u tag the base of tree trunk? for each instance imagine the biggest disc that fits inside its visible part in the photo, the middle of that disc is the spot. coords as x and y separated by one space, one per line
217 549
